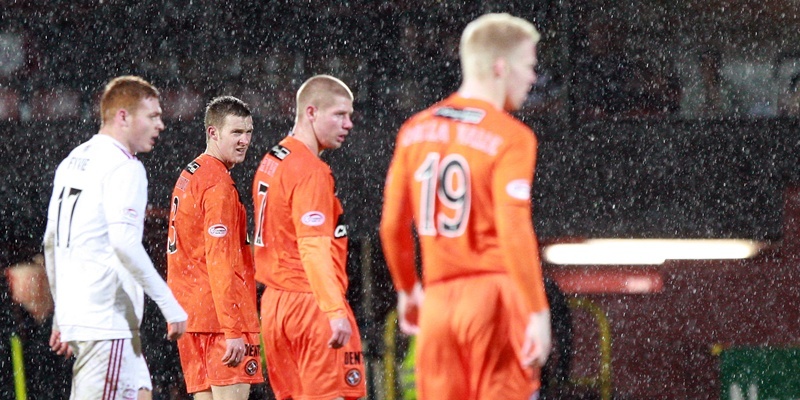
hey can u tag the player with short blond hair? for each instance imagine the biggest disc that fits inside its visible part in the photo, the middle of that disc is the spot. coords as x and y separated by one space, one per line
97 267
462 172
311 338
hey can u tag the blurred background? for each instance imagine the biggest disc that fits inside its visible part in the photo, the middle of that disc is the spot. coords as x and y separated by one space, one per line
655 119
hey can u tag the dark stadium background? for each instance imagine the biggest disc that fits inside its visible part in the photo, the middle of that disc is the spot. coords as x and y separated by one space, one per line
615 159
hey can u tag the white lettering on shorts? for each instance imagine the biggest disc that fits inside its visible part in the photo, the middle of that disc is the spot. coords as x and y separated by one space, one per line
313 218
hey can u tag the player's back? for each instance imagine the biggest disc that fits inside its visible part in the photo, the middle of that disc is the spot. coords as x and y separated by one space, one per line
88 272
287 189
207 249
449 158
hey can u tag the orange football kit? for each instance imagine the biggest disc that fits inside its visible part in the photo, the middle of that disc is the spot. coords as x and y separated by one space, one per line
210 271
294 198
462 172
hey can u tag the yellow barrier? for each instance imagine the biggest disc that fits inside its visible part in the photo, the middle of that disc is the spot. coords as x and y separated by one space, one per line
603 379
390 342
17 362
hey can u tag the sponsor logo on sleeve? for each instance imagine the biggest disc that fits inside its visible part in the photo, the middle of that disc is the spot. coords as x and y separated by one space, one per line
313 218
519 189
130 214
340 231
192 167
218 230
279 152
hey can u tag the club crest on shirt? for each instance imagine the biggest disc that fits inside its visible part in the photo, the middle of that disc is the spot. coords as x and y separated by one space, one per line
313 218
218 230
353 377
519 189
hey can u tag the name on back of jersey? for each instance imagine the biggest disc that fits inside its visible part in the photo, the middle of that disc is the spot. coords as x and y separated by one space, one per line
435 131
78 163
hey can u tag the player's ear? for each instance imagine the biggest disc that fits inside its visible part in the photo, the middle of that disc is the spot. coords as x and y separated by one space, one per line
499 67
212 133
311 113
122 116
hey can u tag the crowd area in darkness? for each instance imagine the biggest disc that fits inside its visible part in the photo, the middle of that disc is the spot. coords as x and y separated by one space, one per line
53 59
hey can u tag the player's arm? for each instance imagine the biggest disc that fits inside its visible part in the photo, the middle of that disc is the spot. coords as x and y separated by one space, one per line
124 202
49 244
511 186
317 260
222 247
314 195
398 245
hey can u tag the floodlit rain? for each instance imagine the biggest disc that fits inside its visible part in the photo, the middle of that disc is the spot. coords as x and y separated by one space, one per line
655 120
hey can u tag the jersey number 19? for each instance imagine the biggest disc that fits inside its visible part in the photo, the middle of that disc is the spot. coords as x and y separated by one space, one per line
447 180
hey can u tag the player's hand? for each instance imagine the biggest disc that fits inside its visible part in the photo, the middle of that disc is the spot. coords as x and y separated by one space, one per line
234 352
536 347
340 332
175 330
61 348
408 307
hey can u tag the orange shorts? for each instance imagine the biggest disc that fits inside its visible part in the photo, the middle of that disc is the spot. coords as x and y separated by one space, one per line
300 364
201 360
470 341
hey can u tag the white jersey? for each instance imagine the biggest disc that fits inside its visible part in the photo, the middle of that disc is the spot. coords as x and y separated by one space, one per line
96 297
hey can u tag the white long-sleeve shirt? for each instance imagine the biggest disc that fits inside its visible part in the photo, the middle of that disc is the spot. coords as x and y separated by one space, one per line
96 264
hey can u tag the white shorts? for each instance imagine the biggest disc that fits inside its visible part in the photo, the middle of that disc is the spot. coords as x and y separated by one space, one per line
109 370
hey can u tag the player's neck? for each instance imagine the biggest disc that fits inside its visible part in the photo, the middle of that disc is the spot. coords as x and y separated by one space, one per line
117 135
485 90
306 136
213 151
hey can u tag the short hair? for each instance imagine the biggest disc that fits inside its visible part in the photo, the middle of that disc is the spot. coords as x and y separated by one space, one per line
124 92
490 37
222 106
320 90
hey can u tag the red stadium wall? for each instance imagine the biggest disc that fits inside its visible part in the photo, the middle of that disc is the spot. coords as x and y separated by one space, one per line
663 341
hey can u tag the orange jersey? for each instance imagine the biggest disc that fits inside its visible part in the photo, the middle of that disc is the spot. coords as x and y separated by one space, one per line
462 172
294 197
209 262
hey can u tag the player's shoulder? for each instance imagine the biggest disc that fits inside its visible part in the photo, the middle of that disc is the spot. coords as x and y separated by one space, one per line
206 171
507 122
296 160
101 155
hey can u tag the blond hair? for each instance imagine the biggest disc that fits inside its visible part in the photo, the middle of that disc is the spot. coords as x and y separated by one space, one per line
490 37
124 92
320 91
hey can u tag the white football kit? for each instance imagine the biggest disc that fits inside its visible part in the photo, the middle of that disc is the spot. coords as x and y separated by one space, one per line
96 264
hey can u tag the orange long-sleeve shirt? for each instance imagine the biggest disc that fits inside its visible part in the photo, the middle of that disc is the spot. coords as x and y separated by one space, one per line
209 262
462 171
294 198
